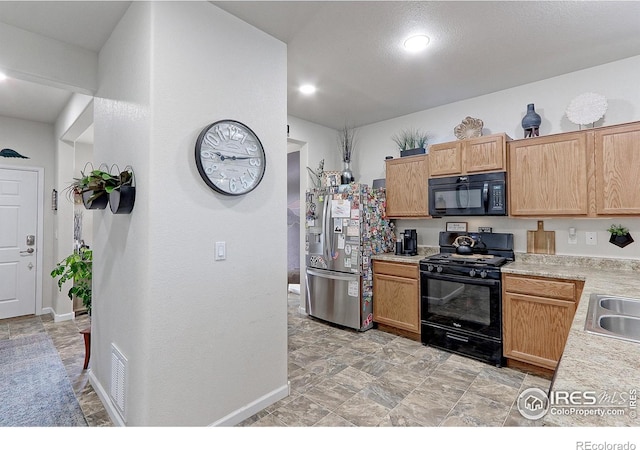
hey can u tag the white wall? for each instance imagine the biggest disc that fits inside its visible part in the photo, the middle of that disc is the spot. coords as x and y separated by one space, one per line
35 140
205 339
502 112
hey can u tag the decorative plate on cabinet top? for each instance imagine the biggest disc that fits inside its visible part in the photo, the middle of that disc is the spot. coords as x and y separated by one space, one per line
469 128
586 108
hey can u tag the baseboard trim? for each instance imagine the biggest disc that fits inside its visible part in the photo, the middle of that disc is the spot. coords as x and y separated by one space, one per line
252 408
106 401
62 317
57 317
228 421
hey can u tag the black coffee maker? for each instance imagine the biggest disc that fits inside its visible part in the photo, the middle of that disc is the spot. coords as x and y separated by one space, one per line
410 242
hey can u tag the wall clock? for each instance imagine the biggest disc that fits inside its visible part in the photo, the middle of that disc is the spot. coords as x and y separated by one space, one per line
230 157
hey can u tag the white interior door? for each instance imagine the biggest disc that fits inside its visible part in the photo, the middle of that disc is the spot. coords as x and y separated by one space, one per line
18 250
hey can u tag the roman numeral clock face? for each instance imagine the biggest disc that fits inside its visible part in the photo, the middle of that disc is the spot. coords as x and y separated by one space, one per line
230 157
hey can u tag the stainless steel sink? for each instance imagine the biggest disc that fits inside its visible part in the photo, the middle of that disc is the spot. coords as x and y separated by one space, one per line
614 316
624 306
622 325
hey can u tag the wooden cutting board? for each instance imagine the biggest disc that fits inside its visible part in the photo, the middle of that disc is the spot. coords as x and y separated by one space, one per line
540 241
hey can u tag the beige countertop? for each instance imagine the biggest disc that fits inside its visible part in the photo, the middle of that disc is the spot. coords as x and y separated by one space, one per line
423 251
607 366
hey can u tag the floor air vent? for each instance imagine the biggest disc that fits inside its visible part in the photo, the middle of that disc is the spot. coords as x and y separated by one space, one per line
118 381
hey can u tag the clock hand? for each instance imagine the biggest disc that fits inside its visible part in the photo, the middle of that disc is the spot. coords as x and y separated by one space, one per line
233 158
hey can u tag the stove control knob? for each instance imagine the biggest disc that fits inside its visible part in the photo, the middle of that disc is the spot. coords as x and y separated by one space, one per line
439 269
472 273
430 267
483 274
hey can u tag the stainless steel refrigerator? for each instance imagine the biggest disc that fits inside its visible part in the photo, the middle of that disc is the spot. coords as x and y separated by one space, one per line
345 226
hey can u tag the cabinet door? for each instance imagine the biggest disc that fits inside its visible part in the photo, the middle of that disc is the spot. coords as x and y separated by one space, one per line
485 154
445 159
617 159
536 328
396 302
549 175
406 185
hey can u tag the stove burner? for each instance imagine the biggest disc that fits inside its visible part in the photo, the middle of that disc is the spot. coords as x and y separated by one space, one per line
470 260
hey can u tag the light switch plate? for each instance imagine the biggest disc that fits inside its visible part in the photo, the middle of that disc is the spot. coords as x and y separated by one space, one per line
220 251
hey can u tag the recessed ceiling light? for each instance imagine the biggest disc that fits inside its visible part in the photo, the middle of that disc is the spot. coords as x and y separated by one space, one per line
3 76
416 43
307 89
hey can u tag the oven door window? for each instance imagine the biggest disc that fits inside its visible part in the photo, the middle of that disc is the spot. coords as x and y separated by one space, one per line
469 305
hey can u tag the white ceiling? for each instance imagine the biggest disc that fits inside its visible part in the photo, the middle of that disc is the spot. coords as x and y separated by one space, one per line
352 50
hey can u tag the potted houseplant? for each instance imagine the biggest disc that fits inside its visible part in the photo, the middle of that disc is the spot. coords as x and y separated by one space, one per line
122 196
410 141
619 235
93 188
77 267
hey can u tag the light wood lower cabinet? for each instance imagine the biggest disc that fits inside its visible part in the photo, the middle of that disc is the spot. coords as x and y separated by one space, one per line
537 315
396 296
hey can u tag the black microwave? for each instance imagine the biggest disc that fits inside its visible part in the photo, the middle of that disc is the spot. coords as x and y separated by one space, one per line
482 194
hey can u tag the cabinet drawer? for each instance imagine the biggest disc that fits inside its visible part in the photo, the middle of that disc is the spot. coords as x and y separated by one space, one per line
550 288
406 270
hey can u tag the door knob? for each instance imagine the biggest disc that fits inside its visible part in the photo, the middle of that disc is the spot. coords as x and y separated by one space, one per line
27 251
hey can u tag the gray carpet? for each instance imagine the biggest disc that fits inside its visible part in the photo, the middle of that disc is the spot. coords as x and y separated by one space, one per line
34 388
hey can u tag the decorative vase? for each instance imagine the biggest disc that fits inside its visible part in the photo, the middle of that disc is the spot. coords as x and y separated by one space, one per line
347 175
531 122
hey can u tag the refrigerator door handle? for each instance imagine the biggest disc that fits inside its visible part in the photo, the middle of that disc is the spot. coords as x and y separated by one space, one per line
328 242
332 275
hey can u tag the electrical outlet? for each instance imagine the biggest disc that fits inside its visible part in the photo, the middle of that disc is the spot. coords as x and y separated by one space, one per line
591 238
573 236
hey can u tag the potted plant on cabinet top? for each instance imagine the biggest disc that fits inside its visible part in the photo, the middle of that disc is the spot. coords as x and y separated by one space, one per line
77 267
619 235
410 142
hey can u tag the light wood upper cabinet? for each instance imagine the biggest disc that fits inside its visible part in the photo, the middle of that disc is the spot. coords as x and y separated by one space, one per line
467 156
588 173
406 185
617 161
550 175
445 159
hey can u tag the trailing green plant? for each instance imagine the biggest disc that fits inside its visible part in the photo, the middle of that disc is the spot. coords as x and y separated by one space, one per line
97 181
77 267
618 230
410 138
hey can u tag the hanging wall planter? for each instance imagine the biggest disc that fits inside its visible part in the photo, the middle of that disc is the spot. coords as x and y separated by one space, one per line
621 241
619 236
123 197
91 202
